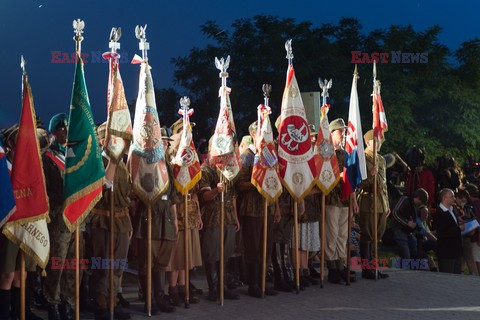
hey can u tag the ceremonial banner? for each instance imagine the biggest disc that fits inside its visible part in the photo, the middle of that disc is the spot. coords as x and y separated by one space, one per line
186 169
326 158
379 119
118 133
7 201
264 173
295 152
146 159
84 172
355 169
27 226
224 153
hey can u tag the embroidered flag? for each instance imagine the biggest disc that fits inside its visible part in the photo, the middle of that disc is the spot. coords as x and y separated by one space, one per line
118 133
264 173
84 172
146 158
355 169
295 152
27 226
327 163
186 169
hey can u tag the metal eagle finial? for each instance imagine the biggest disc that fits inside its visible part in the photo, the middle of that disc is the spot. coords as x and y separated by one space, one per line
78 26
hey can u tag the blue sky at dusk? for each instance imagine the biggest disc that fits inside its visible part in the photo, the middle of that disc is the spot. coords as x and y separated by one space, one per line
35 28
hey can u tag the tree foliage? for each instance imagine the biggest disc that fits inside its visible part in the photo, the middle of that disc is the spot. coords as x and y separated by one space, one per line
434 104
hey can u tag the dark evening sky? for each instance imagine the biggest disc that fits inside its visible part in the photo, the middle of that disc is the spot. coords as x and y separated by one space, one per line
35 28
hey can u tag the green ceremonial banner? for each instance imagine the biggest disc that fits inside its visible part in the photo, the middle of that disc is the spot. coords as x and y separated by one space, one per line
84 172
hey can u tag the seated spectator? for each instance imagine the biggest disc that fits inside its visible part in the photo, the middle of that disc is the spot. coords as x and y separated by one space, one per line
426 240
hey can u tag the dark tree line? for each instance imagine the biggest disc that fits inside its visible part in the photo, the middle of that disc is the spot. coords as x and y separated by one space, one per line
434 104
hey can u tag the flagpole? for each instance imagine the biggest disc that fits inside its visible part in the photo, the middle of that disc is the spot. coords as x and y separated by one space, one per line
22 285
222 253
22 255
297 258
288 48
149 260
349 228
112 251
322 255
115 35
187 284
375 208
264 259
78 26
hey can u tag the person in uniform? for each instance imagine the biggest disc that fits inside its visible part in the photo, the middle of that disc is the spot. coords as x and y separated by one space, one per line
118 178
336 214
10 257
59 285
164 234
211 187
366 204
252 214
176 266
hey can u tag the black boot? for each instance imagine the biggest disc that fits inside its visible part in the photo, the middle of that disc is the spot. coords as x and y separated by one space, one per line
5 304
308 277
227 294
143 286
333 274
66 311
279 282
173 296
253 288
54 312
121 314
123 302
365 254
158 294
29 289
182 295
211 273
287 268
15 303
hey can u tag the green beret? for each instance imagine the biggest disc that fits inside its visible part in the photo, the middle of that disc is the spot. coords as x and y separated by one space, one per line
57 122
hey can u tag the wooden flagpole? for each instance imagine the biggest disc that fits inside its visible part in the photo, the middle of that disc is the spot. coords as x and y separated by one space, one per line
77 274
349 228
23 277
187 268
375 226
322 256
112 252
297 257
222 249
264 258
149 260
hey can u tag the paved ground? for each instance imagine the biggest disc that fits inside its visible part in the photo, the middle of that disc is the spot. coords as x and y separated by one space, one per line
405 295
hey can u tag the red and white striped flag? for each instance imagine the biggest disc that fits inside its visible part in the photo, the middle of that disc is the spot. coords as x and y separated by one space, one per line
264 173
379 119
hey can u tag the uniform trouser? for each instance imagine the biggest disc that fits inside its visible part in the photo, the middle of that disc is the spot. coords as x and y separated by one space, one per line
336 232
211 243
62 280
450 265
253 242
100 280
161 253
366 223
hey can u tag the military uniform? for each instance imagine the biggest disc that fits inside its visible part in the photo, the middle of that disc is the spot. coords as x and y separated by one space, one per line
251 212
366 221
59 282
100 224
163 238
211 212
